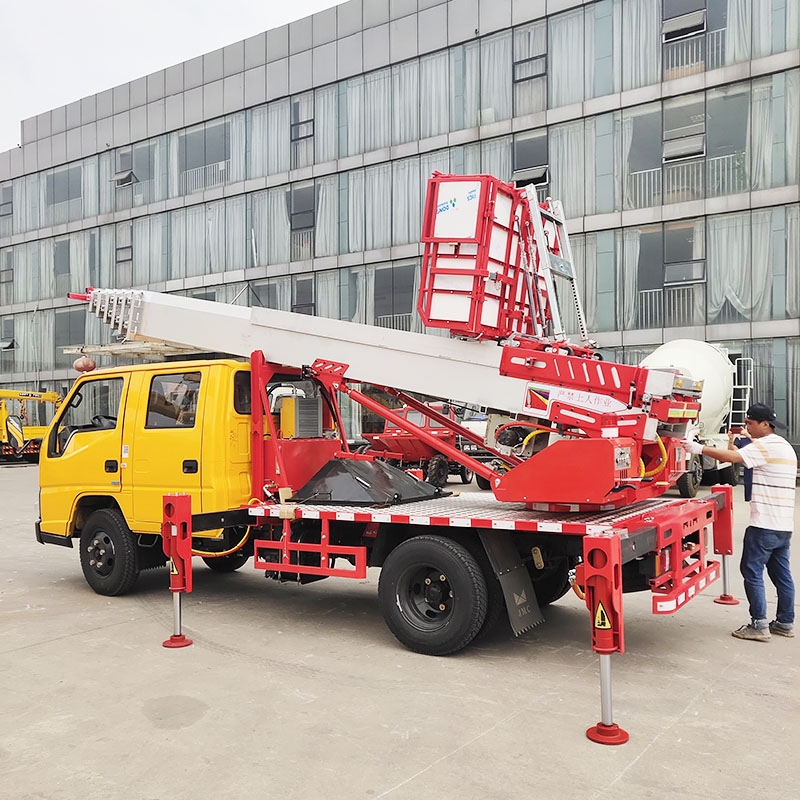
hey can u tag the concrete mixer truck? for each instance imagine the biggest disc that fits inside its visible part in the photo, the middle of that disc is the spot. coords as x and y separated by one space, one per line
724 400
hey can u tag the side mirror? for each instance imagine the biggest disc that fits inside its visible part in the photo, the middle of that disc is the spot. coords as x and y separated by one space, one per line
15 434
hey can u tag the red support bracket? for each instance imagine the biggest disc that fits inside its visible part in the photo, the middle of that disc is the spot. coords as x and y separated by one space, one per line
723 542
601 575
176 534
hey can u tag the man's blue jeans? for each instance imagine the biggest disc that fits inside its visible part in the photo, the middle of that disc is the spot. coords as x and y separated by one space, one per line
770 549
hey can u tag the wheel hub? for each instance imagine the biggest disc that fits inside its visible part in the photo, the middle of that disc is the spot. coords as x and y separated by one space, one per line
101 554
428 598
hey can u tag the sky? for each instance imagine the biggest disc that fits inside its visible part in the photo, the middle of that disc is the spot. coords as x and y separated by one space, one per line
53 52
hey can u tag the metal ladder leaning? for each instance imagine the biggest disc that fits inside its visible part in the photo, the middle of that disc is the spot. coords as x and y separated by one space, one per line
742 386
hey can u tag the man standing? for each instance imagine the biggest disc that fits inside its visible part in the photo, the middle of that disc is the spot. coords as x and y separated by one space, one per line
767 537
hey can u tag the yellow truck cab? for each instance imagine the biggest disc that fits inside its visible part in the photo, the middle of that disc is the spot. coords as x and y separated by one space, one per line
126 436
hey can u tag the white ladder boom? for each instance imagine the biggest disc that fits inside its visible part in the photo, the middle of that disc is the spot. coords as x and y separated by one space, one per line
452 369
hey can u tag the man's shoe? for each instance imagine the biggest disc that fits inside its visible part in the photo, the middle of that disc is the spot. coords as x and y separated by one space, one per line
752 633
781 629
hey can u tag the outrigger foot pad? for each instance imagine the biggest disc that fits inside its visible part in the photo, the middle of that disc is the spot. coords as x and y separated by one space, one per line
607 734
177 641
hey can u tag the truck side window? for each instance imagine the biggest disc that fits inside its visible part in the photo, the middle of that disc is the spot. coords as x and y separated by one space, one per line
94 407
241 393
173 400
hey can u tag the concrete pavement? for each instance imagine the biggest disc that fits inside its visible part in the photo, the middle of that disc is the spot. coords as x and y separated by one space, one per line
302 692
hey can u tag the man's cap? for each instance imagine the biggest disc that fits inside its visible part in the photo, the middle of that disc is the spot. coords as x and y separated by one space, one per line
761 412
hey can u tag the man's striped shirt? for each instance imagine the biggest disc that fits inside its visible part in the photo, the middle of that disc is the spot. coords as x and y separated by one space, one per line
774 465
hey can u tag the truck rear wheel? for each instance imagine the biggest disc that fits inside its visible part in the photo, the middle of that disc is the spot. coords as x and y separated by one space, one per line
437 471
108 553
465 474
552 582
482 482
433 595
690 481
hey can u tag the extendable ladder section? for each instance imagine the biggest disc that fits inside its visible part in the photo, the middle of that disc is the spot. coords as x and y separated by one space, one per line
552 253
742 387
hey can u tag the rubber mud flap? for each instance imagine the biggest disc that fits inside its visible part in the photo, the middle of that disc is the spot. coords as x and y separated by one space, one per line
523 610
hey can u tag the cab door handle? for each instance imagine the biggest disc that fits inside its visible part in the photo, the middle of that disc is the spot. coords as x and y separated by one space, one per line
190 466
112 465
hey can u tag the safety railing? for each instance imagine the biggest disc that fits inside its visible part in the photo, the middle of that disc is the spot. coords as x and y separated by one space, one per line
671 306
689 56
194 180
397 322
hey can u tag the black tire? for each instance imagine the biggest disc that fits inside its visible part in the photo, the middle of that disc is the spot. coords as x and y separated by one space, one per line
433 595
482 482
465 474
690 481
229 563
552 582
437 470
109 557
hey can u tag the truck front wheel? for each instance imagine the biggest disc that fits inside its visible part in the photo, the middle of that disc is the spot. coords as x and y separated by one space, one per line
108 553
433 595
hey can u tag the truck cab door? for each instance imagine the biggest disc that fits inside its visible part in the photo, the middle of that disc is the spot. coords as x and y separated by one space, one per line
82 451
165 454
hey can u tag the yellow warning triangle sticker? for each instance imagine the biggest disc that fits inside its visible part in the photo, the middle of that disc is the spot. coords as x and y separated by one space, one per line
601 619
173 570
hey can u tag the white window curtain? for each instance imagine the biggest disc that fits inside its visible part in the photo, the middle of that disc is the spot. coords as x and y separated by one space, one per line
259 233
107 253
377 110
762 28
326 124
737 31
570 182
46 268
36 336
283 292
91 188
141 251
729 265
106 187
793 387
529 95
356 188
565 54
603 162
160 171
602 47
278 231
327 217
354 112
406 209
641 43
465 86
235 234
27 273
466 159
762 261
377 207
258 121
405 102
433 85
760 134
496 72
177 244
627 280
25 194
196 237
238 138
792 114
792 25
278 137
327 294
438 161
584 259
215 237
159 234
497 158
793 262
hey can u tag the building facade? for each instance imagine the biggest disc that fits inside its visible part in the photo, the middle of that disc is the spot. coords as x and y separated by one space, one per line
289 170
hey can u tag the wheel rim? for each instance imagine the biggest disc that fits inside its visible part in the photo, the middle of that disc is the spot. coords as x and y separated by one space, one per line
101 555
425 597
696 473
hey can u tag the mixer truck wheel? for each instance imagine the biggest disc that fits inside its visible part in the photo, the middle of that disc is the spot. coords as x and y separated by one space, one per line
689 482
437 470
465 474
729 475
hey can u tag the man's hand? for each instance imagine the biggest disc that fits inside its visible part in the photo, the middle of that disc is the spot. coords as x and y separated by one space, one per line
691 446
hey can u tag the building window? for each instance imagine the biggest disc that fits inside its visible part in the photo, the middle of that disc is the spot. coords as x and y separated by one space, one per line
303 294
6 277
204 155
7 345
302 219
684 273
69 331
301 131
684 149
135 175
6 201
699 35
531 161
123 255
61 266
63 185
530 68
394 297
